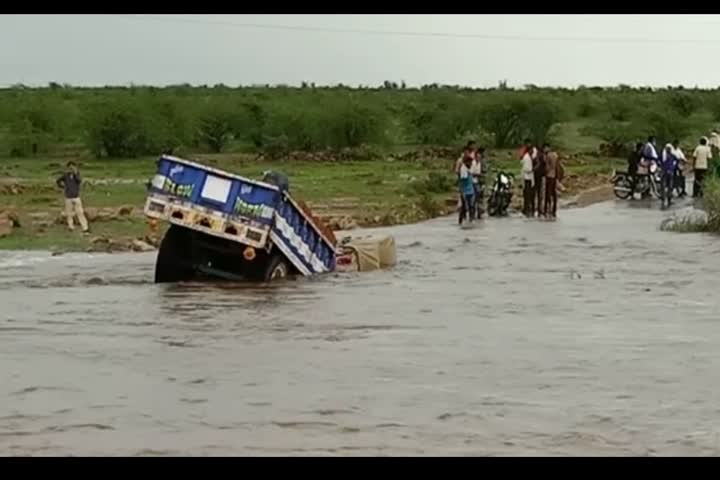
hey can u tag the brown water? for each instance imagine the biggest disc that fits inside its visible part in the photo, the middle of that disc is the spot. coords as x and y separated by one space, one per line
596 334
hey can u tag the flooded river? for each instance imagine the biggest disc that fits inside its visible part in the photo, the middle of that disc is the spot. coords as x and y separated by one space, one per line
593 335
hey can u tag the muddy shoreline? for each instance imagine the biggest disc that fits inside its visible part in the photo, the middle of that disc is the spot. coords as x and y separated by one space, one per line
345 223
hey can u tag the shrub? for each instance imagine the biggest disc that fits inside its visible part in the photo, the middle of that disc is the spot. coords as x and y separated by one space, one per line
351 125
25 138
443 122
216 125
435 182
120 128
619 137
683 103
620 108
511 120
666 126
711 203
428 205
33 125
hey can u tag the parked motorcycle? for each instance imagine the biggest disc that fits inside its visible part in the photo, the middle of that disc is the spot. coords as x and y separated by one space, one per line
500 195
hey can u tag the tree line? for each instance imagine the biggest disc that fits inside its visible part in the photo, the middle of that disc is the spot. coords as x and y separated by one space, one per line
123 122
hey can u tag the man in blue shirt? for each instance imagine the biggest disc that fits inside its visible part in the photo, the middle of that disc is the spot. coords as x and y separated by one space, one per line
467 190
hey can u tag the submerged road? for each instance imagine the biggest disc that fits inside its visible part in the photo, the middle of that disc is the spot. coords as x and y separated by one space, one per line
593 335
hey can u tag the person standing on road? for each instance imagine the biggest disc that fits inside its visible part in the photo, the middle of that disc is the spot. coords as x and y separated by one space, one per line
70 183
682 166
476 170
539 177
552 167
669 169
701 155
467 191
528 180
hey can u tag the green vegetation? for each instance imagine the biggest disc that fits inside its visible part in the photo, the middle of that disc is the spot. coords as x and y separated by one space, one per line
131 122
382 155
711 204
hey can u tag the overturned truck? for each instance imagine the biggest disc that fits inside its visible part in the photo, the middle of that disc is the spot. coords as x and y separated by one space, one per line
230 227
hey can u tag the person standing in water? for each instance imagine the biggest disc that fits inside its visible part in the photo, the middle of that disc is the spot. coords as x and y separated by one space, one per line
682 166
539 179
476 170
669 169
552 167
467 191
528 175
70 183
701 155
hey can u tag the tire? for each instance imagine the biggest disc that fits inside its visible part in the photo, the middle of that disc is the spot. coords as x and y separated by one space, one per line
276 269
492 205
172 264
626 188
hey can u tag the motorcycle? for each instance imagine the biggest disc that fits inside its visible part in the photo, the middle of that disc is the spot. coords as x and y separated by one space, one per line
626 186
500 195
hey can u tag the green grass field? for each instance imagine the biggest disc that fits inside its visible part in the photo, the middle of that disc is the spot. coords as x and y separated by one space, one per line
392 191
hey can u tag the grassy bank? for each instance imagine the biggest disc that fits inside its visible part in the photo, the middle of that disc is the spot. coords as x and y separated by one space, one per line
365 193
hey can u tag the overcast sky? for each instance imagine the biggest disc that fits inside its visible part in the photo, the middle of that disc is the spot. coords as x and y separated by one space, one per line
473 50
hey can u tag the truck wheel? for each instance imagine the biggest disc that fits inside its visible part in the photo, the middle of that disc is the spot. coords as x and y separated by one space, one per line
276 269
174 261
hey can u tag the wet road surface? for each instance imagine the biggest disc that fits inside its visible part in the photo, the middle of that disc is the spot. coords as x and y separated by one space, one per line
593 335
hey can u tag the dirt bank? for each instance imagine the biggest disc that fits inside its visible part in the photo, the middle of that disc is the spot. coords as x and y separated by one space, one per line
377 194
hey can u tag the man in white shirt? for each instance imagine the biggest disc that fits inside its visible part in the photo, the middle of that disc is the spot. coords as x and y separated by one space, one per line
701 155
528 176
682 166
649 153
714 139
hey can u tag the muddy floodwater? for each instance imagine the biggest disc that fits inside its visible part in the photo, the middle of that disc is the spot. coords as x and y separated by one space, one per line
593 335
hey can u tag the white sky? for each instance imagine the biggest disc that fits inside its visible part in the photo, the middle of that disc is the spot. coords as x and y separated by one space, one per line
169 49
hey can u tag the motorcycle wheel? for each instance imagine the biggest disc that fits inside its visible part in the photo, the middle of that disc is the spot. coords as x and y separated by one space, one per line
492 206
622 188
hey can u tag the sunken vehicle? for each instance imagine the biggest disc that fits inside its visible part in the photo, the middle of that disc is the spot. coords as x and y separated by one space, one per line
227 226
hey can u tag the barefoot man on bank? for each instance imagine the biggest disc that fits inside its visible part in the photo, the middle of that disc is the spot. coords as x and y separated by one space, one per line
70 183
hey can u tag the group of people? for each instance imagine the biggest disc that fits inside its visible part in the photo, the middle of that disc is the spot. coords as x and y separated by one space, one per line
540 169
673 164
542 173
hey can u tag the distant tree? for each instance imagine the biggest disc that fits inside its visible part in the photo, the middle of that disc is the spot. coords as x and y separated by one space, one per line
684 103
216 124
